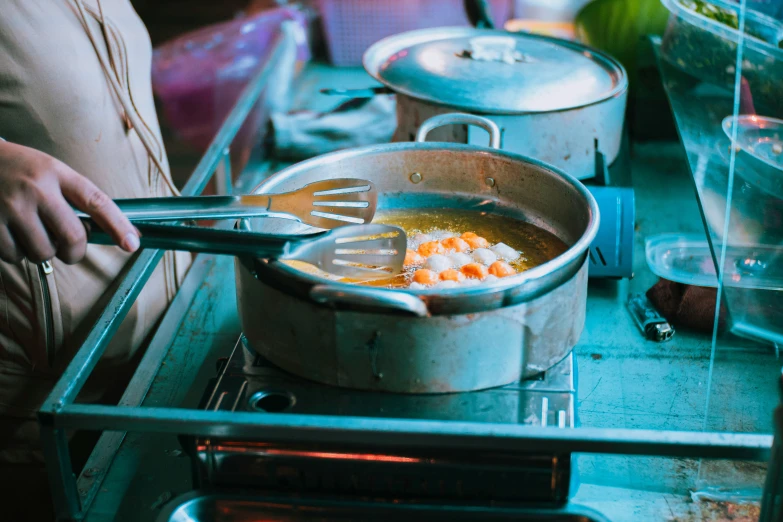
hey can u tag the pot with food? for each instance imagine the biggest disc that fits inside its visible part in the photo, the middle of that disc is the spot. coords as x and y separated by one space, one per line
495 280
557 101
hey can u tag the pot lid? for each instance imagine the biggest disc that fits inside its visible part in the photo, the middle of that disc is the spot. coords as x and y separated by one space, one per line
494 71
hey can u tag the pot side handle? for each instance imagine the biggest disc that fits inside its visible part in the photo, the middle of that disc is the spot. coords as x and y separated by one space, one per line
397 301
459 118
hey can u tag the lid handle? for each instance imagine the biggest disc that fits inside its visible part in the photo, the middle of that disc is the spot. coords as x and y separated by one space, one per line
458 118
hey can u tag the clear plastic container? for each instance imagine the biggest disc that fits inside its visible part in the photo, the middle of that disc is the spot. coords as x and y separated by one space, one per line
707 49
752 279
773 8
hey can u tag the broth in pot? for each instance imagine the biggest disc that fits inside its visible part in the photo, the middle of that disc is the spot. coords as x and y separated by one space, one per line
449 248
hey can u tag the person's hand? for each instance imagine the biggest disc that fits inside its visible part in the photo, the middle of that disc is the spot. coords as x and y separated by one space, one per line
36 220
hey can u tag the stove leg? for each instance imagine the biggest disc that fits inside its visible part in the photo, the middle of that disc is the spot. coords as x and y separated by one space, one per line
62 481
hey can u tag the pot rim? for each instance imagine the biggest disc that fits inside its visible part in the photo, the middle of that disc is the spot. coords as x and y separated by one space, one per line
620 90
568 258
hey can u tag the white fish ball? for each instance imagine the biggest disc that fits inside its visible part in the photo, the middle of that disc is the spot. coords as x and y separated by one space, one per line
460 259
416 241
439 235
484 256
438 263
505 252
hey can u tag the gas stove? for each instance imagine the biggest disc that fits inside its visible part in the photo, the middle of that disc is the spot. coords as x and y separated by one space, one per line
247 382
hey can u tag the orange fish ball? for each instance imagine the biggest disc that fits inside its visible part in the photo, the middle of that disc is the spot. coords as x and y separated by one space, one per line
412 258
452 275
501 269
469 235
476 242
475 271
456 244
431 248
425 277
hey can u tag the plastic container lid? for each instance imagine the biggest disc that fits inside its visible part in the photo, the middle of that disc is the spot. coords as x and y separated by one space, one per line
759 136
688 259
759 145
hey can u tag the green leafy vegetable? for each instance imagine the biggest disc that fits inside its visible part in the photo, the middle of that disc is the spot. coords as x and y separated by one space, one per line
723 16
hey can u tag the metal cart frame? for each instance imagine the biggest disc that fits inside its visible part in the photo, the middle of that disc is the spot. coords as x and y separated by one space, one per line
60 413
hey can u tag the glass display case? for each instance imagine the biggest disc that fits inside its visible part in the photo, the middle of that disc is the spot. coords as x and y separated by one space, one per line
721 64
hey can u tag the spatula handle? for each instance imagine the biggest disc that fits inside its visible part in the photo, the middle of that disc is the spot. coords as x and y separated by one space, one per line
203 240
192 208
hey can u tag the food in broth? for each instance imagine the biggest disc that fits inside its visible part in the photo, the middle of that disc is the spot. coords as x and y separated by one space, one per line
449 248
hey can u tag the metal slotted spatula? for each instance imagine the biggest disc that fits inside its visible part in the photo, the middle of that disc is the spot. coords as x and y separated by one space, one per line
353 251
323 204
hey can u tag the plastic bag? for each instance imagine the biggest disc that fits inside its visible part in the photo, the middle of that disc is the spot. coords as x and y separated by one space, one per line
199 76
355 123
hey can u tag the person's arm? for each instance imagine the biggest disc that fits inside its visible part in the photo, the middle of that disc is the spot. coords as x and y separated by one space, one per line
37 221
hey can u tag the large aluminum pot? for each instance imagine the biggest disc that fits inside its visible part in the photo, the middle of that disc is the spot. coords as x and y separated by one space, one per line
557 101
431 341
568 140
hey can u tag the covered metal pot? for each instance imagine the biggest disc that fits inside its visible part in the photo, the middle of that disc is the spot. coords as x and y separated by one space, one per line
431 341
557 101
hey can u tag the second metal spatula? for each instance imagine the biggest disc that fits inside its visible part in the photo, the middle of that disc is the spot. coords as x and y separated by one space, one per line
324 204
355 251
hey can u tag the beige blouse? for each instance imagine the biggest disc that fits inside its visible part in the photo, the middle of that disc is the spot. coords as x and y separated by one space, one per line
75 83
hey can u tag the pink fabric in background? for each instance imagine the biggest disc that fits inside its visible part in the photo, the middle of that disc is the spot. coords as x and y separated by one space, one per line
199 76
